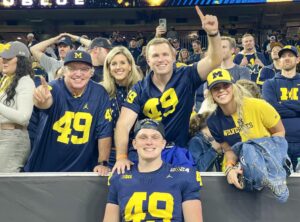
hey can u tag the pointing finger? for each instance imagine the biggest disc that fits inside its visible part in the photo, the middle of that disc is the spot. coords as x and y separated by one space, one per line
43 81
200 14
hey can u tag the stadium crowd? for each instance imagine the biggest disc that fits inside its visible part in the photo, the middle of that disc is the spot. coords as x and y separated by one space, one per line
70 103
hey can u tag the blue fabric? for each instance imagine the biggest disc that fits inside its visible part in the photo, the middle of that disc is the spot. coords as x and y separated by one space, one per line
176 156
263 161
203 153
294 153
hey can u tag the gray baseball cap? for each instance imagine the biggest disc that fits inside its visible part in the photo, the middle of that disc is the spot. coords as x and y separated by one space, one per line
13 49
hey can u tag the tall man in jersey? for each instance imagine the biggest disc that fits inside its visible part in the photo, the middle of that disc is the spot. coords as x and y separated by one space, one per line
75 120
167 93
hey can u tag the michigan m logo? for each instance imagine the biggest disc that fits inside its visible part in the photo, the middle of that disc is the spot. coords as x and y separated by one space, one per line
289 94
217 74
78 55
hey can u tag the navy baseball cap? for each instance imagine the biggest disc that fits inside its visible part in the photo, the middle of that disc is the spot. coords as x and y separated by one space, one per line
289 48
78 56
66 40
13 49
149 124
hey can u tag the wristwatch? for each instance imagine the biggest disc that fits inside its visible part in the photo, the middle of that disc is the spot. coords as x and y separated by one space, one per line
103 163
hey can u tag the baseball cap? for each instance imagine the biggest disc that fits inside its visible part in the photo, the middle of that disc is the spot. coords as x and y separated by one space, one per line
273 44
100 42
217 76
66 40
13 49
290 48
78 56
149 124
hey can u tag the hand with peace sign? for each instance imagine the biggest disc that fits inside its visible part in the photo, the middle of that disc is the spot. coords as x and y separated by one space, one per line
209 23
42 96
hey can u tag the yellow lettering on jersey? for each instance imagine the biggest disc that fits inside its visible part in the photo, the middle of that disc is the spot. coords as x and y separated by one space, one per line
198 178
289 94
150 109
236 130
80 122
168 101
134 207
108 179
131 96
108 114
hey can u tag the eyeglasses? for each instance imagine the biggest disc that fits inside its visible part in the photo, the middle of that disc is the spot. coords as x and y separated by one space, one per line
81 69
220 86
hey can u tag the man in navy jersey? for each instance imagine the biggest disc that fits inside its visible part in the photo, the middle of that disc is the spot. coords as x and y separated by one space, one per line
75 120
153 190
167 93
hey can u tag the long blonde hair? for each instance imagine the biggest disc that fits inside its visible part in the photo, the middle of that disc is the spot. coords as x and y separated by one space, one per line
108 81
239 93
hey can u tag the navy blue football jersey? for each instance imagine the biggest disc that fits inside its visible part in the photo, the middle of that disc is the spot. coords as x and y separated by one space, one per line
172 107
68 132
154 196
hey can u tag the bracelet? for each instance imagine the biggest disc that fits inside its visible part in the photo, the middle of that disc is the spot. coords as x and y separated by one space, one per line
103 163
228 170
213 35
121 156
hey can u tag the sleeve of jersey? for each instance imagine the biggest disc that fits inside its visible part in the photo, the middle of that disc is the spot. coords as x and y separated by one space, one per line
269 115
112 196
268 93
104 122
192 72
214 128
238 59
133 98
191 185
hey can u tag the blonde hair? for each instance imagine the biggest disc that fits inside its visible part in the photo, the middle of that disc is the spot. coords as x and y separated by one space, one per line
108 81
239 93
232 42
253 89
158 41
180 59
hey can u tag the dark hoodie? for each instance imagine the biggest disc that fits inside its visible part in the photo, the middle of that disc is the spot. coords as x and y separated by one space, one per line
283 93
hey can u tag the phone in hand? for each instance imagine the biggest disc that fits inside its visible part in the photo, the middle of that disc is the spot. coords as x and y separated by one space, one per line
163 23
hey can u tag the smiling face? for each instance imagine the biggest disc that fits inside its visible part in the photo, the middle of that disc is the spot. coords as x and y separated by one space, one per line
9 66
120 68
274 52
77 76
149 144
63 50
222 93
160 58
248 43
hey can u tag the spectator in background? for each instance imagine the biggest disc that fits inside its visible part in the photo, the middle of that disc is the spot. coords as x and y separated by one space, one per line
16 92
176 45
75 123
134 50
197 54
282 92
98 49
120 74
249 57
183 56
172 34
153 183
166 94
31 41
142 62
269 71
50 64
236 71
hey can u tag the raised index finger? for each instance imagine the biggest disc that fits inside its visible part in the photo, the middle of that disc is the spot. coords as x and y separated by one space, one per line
43 81
201 15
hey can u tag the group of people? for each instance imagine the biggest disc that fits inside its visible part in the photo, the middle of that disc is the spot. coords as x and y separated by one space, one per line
138 126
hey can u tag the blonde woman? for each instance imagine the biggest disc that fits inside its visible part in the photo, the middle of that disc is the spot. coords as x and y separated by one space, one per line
183 56
120 74
16 105
238 118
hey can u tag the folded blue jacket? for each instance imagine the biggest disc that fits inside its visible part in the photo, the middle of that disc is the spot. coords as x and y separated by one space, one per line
263 162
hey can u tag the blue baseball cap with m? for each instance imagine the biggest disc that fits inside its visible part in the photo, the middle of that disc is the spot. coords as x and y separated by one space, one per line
78 56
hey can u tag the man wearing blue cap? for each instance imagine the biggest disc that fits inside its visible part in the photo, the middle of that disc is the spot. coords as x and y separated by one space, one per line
75 120
283 93
137 194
